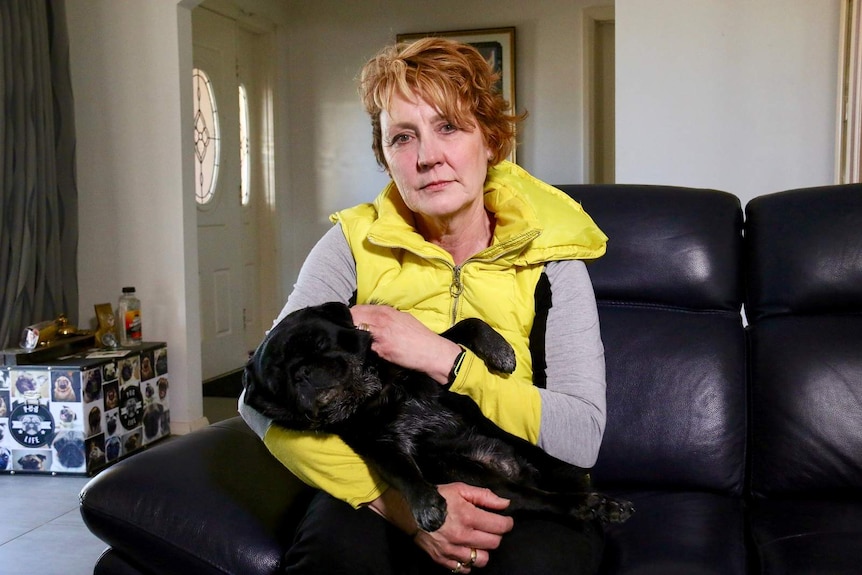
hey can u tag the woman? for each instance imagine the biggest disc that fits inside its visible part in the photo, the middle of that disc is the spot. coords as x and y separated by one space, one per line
459 232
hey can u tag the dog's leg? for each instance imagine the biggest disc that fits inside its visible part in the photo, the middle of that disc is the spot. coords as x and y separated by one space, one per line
530 502
487 344
539 468
537 481
489 469
400 471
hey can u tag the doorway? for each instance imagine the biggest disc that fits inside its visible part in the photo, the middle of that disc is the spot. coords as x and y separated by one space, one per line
235 203
599 95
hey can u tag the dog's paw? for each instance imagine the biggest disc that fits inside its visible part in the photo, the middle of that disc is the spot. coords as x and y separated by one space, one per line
501 358
605 509
485 342
430 513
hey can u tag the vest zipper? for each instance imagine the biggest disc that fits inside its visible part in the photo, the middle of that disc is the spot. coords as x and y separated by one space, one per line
456 288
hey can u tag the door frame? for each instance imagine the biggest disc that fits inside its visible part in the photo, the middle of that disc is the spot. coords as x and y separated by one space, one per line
592 18
268 229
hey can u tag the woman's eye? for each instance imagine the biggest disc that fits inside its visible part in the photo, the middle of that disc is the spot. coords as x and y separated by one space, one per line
399 139
449 128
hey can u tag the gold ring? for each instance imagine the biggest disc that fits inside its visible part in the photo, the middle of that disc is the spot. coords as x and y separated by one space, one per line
473 554
457 568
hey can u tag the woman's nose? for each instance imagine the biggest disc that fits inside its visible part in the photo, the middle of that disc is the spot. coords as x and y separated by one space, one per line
430 152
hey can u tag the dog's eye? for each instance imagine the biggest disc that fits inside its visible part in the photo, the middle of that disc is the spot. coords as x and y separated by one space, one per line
321 344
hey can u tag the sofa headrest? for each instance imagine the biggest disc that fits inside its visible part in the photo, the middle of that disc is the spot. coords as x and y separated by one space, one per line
805 252
669 246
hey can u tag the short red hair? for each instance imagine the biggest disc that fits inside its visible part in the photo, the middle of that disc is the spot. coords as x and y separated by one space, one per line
451 76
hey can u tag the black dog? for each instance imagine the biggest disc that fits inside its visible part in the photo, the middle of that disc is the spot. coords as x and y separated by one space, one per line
316 372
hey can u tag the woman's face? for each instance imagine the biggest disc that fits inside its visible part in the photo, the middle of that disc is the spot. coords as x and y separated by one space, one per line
439 168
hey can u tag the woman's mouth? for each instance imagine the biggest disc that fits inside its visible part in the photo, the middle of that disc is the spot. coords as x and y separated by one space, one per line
435 186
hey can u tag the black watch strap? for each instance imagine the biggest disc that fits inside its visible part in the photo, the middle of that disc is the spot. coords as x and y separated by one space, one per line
456 367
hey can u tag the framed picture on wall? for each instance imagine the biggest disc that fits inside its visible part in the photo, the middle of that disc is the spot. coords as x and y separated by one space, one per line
498 47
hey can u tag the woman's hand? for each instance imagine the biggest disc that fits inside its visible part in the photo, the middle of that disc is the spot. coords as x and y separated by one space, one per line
471 525
404 340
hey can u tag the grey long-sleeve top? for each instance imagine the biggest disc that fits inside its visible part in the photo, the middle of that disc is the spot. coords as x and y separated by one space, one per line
573 399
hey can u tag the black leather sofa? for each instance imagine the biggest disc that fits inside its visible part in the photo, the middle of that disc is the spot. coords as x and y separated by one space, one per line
740 445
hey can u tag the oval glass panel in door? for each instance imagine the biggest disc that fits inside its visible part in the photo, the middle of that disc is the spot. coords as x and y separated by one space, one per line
207 148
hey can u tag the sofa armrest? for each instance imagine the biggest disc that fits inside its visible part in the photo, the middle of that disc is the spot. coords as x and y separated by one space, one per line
213 501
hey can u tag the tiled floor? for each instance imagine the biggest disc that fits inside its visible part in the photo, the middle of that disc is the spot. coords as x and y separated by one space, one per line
41 531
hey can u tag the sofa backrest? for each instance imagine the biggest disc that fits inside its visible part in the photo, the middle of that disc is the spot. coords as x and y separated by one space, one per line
669 292
804 305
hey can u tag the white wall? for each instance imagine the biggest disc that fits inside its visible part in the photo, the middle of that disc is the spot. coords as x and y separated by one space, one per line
131 70
738 95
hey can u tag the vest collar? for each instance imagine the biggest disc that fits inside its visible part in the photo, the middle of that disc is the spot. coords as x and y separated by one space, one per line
524 208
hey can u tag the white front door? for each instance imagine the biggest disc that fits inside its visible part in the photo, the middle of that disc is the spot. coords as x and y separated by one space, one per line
258 241
219 219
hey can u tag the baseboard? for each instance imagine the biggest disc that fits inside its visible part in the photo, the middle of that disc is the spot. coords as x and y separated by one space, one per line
185 427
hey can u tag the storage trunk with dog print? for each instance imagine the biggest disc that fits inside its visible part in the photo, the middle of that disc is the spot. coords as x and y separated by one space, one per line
80 413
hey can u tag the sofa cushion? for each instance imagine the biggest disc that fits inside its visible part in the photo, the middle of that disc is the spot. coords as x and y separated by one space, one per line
808 537
676 400
678 533
173 507
806 414
112 563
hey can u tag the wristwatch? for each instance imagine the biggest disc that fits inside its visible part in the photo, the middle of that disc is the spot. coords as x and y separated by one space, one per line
456 367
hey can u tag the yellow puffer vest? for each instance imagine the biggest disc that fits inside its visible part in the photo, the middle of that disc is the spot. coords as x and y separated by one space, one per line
535 223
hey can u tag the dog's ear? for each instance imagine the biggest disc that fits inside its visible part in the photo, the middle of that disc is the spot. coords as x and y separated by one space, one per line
250 383
264 386
336 312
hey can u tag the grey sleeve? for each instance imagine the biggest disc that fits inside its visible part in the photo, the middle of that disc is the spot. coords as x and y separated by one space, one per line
573 402
328 274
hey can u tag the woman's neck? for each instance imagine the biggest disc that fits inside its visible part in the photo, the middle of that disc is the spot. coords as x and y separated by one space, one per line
462 237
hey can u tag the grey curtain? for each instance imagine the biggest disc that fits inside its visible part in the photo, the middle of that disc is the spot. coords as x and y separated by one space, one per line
39 199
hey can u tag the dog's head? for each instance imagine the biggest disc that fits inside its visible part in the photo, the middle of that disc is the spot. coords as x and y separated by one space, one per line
25 384
32 462
67 415
93 385
70 449
112 398
146 367
312 370
111 421
63 384
163 387
152 419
